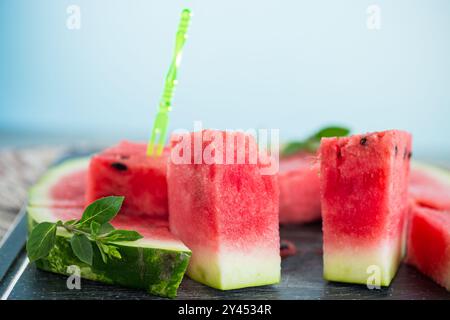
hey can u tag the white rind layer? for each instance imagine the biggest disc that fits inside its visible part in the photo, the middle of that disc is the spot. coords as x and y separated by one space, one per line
231 269
359 264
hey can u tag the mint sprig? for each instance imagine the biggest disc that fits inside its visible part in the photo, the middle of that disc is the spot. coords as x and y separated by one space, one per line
93 227
312 143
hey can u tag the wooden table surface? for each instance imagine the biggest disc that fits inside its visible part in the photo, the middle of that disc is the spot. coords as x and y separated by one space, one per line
19 169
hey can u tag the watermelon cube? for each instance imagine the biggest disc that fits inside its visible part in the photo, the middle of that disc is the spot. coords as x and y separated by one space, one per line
364 182
126 170
225 212
299 189
429 243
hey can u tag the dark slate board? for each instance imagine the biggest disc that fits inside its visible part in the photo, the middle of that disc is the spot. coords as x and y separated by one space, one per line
301 276
301 279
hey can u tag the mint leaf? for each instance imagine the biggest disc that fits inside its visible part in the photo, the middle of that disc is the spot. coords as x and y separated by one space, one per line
102 210
106 228
293 147
41 240
312 143
331 132
112 252
102 253
82 248
122 235
95 228
108 251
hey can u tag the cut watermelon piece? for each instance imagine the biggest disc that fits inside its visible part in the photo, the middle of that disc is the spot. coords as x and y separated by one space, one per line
63 186
429 243
156 262
299 189
126 170
227 214
364 181
430 186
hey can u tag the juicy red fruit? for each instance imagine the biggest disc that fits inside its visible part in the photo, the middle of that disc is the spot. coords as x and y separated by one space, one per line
360 176
429 243
299 189
70 190
126 170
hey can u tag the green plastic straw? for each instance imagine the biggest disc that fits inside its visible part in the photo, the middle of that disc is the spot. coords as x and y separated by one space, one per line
161 123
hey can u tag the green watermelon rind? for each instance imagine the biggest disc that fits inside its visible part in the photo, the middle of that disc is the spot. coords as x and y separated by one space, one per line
39 194
159 271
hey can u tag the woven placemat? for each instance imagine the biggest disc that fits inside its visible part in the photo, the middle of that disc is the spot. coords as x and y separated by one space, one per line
19 169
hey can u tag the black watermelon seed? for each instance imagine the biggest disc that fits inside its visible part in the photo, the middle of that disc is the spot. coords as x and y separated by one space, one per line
409 155
396 150
119 166
124 157
363 141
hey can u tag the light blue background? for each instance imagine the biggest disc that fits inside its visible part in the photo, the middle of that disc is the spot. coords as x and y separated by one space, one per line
293 65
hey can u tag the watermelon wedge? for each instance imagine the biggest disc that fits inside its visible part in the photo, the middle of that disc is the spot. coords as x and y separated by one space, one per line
126 170
364 181
430 186
429 243
299 189
156 262
227 214
71 174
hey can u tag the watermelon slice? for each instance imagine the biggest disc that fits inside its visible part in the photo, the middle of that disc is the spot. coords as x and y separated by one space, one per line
227 214
125 170
72 175
430 186
364 181
429 243
299 189
156 262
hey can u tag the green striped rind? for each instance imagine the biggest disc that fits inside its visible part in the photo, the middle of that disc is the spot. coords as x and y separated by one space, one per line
159 271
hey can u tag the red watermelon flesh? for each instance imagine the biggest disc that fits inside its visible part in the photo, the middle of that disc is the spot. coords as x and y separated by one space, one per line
430 186
62 186
429 243
126 170
364 184
227 214
73 192
299 189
